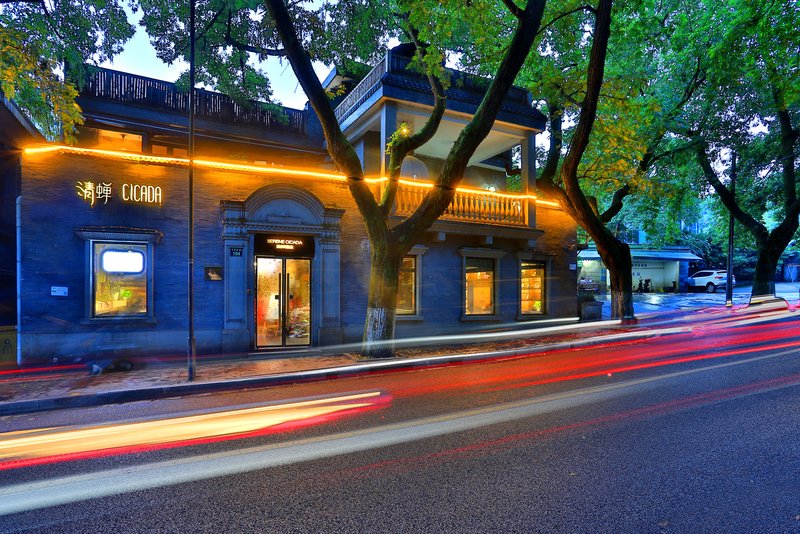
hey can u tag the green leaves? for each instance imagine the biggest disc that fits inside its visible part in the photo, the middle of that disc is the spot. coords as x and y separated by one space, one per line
36 40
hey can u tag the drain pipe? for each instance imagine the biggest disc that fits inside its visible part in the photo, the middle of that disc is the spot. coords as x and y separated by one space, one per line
19 277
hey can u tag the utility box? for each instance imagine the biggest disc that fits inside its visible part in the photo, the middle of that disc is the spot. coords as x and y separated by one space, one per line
8 346
591 311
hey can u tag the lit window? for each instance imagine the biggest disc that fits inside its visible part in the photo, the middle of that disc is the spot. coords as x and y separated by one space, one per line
479 297
407 287
119 279
111 140
531 281
159 150
122 261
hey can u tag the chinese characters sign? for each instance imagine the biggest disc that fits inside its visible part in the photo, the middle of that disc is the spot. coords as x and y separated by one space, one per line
92 192
96 192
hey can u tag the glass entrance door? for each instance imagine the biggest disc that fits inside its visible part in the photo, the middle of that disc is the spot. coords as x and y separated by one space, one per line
283 302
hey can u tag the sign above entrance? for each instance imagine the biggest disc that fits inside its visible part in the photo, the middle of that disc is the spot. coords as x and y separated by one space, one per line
294 246
94 192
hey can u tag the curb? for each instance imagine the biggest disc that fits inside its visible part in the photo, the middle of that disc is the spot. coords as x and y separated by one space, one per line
314 375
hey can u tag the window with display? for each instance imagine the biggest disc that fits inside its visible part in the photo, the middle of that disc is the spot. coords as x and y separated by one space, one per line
531 280
119 276
119 272
479 286
407 287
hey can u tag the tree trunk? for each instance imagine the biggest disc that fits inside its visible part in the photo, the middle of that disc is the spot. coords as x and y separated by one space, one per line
389 245
381 305
616 256
764 271
769 253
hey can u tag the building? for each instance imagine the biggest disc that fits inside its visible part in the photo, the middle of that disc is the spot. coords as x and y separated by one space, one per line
281 253
667 268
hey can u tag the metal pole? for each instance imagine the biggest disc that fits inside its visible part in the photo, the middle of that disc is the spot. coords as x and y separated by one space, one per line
192 344
729 283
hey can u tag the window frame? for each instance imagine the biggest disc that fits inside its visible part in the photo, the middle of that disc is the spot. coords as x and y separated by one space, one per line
121 237
96 266
536 263
547 262
480 253
417 252
137 139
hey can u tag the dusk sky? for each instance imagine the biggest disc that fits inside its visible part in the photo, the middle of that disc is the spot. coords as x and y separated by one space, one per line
140 58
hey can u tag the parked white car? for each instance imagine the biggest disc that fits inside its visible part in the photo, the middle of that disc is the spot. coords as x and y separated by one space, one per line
710 280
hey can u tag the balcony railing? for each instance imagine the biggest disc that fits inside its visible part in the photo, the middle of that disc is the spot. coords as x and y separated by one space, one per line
392 63
467 206
165 96
363 90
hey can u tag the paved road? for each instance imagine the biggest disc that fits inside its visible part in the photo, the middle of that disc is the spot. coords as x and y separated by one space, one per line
689 432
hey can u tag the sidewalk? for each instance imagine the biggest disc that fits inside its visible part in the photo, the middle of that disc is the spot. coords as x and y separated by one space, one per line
32 390
74 386
644 303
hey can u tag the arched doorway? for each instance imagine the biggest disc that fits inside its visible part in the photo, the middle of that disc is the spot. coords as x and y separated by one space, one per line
282 249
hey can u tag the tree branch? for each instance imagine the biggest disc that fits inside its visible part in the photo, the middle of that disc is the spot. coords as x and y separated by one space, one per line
616 204
758 230
406 145
669 153
548 173
437 200
587 7
513 8
254 49
229 39
789 137
339 148
596 69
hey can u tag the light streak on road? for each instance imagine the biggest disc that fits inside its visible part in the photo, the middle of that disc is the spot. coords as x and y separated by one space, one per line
618 354
56 491
32 374
485 448
38 446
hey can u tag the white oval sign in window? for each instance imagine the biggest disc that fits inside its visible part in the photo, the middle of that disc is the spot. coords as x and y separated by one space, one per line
122 261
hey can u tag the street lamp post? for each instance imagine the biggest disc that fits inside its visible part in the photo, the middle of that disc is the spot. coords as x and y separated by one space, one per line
729 283
191 352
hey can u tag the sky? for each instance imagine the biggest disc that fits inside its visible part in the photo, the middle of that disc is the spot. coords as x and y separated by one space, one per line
139 57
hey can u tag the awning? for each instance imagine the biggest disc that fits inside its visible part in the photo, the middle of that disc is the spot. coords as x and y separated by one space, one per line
638 254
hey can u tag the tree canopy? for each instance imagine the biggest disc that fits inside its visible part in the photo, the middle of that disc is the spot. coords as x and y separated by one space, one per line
37 39
750 109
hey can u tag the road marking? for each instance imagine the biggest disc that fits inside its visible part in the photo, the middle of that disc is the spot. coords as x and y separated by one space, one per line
47 493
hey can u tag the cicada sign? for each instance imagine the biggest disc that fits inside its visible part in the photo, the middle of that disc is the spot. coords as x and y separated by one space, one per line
96 192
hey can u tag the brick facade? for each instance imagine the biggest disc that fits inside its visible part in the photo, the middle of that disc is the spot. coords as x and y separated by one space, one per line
54 255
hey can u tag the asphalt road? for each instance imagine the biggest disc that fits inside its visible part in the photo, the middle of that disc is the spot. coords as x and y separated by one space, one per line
688 432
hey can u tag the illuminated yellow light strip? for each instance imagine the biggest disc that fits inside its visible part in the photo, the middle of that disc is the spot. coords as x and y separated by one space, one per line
164 160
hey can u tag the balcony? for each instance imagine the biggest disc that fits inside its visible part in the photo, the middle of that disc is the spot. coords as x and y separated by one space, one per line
463 87
468 206
163 96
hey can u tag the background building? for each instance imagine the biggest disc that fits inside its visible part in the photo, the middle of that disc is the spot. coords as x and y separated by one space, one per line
667 267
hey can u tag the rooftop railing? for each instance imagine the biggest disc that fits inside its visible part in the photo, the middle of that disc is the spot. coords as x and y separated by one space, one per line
393 63
165 96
